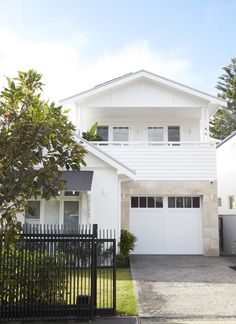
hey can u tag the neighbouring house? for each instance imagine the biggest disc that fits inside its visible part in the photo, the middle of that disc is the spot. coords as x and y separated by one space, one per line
154 172
226 176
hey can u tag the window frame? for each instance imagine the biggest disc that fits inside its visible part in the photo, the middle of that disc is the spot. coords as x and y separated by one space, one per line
165 130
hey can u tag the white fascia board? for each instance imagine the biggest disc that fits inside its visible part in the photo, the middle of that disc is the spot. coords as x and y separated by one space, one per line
150 76
120 167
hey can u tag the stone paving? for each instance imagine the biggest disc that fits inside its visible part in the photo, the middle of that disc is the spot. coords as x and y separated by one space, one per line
185 286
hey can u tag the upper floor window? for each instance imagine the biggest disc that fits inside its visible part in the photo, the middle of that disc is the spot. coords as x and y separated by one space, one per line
219 202
103 132
173 134
155 134
120 134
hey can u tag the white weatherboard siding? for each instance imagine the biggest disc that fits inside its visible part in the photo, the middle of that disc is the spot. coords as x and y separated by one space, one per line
166 230
189 162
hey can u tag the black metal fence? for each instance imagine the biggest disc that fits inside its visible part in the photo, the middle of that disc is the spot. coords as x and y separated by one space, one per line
57 272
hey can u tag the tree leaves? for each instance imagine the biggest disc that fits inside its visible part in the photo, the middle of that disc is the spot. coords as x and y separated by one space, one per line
36 140
224 121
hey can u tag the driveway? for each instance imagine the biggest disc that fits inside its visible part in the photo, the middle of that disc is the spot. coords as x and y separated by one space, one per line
185 286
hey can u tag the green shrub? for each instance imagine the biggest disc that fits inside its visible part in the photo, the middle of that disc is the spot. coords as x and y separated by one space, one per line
121 261
127 242
126 245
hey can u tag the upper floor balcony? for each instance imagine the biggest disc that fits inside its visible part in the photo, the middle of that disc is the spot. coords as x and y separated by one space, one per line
152 160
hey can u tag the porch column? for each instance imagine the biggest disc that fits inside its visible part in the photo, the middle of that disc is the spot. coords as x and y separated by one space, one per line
80 116
203 125
90 218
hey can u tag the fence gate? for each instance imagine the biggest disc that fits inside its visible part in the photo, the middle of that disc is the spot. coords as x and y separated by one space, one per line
56 273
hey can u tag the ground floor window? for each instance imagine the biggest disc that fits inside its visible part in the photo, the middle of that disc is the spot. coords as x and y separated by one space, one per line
64 209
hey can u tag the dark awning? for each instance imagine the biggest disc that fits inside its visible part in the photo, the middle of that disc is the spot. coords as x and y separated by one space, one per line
77 180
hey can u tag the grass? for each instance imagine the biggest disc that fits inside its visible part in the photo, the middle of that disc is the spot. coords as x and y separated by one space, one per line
126 303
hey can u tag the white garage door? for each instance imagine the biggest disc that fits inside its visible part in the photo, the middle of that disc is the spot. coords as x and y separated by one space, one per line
166 225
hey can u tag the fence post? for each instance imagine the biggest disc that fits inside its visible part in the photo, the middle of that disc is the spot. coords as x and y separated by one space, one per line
94 267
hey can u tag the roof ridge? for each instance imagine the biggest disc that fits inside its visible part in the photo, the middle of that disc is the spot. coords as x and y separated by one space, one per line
100 85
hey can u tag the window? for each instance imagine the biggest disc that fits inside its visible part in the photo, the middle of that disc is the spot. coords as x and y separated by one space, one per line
183 202
155 134
142 202
231 202
103 132
120 134
134 202
173 134
171 202
219 202
187 202
32 210
196 202
147 202
179 202
71 213
62 210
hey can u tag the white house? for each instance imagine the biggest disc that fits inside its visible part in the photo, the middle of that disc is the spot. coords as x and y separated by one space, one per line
226 176
153 173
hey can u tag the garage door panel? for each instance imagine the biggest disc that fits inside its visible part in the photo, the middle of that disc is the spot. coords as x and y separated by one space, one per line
150 238
167 230
182 232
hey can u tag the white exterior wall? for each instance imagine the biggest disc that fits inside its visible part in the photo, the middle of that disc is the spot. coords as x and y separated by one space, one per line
226 175
104 196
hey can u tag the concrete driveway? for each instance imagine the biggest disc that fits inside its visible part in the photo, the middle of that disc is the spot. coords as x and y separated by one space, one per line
185 286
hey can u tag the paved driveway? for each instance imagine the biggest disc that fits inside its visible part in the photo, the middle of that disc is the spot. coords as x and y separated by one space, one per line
185 286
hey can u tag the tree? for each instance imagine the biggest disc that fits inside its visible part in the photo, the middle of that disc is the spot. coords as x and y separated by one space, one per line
224 122
36 142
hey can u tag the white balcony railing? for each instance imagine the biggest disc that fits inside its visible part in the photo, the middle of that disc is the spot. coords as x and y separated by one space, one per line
114 143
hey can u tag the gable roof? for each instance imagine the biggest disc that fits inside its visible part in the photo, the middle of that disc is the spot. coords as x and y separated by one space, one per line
226 139
148 75
119 166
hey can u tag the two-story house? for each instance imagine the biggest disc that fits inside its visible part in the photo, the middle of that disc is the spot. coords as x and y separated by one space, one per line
154 172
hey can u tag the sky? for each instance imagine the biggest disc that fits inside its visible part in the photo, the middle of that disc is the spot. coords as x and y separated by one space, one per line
77 44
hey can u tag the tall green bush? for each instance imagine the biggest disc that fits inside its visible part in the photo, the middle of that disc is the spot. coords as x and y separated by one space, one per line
126 245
